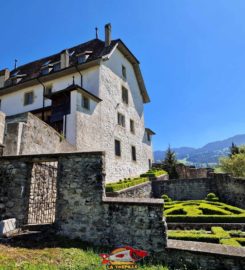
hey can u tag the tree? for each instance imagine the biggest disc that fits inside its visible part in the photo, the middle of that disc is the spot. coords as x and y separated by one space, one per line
170 162
233 150
235 163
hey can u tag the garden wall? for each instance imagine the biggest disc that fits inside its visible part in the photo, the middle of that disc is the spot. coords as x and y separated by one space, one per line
26 134
140 191
183 189
82 210
184 255
229 190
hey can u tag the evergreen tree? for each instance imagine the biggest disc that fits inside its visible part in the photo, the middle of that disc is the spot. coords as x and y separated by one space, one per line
170 162
233 150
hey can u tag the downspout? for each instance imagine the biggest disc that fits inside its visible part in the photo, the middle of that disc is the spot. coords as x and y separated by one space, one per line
44 90
80 75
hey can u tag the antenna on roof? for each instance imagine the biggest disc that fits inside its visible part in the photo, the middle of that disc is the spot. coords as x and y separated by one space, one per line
73 80
15 63
96 32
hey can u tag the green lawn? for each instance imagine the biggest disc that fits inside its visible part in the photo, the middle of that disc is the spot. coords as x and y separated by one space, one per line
52 255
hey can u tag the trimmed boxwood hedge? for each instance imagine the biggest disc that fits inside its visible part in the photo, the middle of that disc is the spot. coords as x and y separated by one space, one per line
125 184
207 219
153 173
217 235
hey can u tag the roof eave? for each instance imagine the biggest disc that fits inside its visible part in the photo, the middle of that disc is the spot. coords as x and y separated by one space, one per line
48 77
134 61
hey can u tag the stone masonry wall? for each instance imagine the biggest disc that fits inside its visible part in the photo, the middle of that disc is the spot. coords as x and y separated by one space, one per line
33 136
184 189
14 182
84 212
228 189
191 255
140 191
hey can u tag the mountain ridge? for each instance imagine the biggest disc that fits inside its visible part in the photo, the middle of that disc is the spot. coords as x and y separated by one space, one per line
207 154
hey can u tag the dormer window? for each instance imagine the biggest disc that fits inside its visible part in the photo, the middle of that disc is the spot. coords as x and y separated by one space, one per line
82 57
46 68
16 77
56 66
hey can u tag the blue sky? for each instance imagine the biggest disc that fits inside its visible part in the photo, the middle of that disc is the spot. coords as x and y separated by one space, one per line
192 55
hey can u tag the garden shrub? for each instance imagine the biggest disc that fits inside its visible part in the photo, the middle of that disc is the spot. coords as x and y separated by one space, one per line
166 198
154 173
212 197
112 187
241 241
219 231
207 219
230 242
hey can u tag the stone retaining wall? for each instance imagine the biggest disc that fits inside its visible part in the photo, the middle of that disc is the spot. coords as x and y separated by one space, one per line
183 189
82 210
230 190
26 134
191 255
139 191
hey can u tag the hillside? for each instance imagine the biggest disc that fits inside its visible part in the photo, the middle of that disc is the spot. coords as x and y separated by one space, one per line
208 154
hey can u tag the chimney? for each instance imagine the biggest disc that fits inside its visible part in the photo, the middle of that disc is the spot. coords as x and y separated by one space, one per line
64 59
107 34
4 75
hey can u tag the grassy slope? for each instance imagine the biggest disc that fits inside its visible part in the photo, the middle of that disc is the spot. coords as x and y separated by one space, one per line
50 258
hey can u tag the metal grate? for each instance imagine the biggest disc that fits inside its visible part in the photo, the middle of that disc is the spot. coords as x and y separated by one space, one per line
43 193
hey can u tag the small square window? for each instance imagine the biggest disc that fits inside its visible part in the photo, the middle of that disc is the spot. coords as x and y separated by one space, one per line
28 98
133 151
48 89
85 102
121 119
132 129
124 72
125 95
117 148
